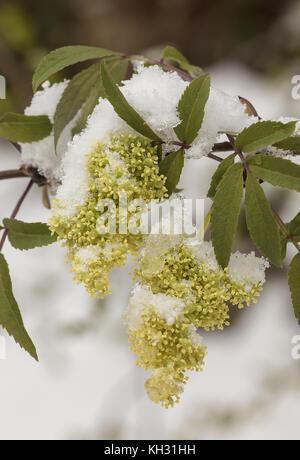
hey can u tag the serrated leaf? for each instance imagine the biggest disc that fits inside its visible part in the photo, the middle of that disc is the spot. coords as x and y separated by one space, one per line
277 171
123 108
25 129
10 316
218 175
26 236
294 284
86 110
261 223
118 71
191 108
291 143
74 96
225 212
171 167
64 57
263 134
172 56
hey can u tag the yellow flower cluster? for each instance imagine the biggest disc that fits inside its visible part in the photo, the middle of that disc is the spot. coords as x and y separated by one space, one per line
207 292
127 164
169 349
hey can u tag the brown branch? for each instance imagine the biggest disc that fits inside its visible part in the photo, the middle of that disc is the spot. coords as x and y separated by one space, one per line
15 212
11 174
214 157
222 147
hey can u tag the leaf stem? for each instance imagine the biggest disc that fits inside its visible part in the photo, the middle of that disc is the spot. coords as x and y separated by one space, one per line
162 64
15 211
282 226
238 152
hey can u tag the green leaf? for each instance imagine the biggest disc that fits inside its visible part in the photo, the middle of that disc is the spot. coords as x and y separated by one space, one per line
64 57
21 128
118 71
10 316
191 108
291 143
171 167
74 96
86 110
263 134
276 171
218 176
26 236
294 227
283 244
261 223
172 56
159 151
204 227
225 212
122 108
294 284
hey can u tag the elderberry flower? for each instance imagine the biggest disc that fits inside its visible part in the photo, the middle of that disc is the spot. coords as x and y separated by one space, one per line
126 164
181 289
189 270
164 343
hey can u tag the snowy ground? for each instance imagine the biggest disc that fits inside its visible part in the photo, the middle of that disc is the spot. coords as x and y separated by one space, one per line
87 386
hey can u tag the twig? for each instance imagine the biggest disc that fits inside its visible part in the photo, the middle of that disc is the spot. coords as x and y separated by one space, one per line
15 211
16 146
11 174
214 157
222 147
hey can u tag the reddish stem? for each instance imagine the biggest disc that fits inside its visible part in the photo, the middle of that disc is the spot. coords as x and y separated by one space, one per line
15 212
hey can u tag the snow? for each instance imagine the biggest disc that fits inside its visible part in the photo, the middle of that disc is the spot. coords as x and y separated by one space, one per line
247 268
167 307
42 154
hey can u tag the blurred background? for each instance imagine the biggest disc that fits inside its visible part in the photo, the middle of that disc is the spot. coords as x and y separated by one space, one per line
86 385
